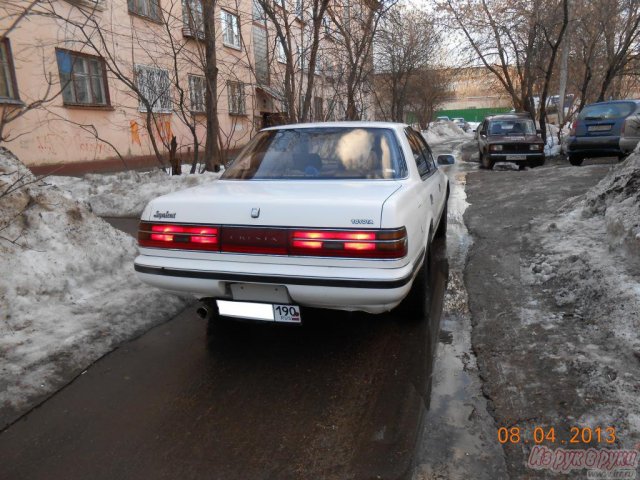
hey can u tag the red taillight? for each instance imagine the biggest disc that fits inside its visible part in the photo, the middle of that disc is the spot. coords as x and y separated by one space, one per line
346 243
188 237
574 126
390 243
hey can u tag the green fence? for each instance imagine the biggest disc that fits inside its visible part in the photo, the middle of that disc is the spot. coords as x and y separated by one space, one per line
472 114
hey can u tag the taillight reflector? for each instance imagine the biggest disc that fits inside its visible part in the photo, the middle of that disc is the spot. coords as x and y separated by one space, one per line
345 243
391 243
187 237
574 126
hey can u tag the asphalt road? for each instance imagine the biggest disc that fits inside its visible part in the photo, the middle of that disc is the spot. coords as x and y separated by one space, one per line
522 385
341 397
345 396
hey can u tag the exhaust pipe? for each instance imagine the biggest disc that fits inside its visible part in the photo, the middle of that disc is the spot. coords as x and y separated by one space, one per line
203 313
208 309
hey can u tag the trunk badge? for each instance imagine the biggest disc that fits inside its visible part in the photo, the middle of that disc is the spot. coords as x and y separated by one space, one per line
255 212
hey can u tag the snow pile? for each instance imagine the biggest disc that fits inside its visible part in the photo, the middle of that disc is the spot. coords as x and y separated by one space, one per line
595 283
68 292
439 132
617 198
553 145
125 194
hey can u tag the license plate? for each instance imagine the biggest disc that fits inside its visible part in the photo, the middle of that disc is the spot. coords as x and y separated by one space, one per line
599 128
286 314
516 157
265 312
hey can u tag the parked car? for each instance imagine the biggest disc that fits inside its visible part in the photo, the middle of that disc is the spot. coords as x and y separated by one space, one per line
443 119
604 129
331 215
510 137
462 123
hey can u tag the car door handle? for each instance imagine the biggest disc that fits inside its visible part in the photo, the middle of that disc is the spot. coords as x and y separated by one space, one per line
431 197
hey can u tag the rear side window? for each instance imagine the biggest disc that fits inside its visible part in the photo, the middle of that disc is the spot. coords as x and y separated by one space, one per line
606 111
419 154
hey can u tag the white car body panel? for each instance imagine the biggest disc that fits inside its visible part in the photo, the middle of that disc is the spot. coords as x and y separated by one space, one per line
370 285
303 203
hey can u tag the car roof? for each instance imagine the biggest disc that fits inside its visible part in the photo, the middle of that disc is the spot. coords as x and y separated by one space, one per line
350 124
510 116
630 100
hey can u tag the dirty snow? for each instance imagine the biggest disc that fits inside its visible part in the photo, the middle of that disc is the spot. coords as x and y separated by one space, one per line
125 194
553 146
588 265
439 132
68 292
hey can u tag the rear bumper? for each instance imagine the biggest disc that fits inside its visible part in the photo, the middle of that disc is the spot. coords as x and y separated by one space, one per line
601 146
366 289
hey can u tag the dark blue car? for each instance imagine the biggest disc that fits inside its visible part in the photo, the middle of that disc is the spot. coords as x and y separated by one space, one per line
605 129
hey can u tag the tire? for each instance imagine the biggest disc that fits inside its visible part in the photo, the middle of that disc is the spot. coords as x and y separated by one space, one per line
441 232
575 161
486 162
417 303
536 163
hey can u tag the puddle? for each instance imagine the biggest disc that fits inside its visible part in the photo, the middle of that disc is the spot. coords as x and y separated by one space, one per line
459 436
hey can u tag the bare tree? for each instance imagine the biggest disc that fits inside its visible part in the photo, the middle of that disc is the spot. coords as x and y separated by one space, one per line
406 43
353 27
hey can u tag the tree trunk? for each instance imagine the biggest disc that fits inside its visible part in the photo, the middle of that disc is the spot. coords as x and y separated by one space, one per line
212 148
564 67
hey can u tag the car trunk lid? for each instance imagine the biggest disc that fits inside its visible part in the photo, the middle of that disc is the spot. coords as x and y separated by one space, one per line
283 203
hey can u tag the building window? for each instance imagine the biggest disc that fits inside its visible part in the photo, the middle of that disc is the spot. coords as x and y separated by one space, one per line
197 93
155 87
258 11
82 78
318 113
230 29
145 8
192 18
236 98
8 88
281 55
326 23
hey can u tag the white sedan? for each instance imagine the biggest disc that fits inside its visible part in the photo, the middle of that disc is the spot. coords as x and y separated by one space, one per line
331 215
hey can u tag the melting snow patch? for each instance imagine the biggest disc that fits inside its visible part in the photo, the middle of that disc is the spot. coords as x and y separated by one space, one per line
125 194
68 292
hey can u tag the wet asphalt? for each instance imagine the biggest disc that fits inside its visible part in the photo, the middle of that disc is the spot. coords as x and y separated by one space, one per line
342 396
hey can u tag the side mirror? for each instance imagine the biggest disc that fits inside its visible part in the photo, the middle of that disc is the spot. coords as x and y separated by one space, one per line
446 160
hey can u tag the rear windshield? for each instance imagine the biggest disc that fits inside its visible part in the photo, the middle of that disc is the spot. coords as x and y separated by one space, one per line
512 127
318 153
605 111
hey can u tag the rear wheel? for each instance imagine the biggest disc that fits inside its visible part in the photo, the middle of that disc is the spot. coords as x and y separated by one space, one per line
486 162
575 160
418 301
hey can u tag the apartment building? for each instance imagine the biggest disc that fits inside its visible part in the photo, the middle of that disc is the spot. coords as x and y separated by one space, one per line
104 80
